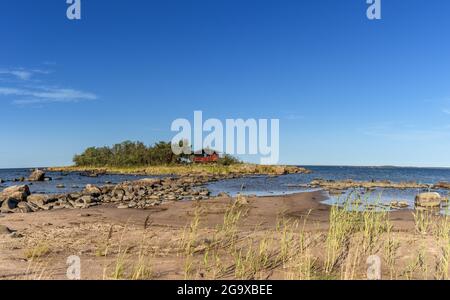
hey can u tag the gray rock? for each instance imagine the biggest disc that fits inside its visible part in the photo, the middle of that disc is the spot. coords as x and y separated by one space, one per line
37 175
8 205
87 199
17 192
38 199
23 207
431 199
92 190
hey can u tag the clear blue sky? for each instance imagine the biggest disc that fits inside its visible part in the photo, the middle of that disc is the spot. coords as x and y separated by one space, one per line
346 90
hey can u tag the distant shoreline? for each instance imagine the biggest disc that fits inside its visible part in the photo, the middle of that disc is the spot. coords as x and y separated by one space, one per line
305 166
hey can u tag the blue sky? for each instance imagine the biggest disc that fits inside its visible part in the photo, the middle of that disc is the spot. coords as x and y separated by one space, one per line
347 91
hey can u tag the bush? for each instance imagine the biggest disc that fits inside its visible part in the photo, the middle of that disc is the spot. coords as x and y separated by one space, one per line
136 154
228 160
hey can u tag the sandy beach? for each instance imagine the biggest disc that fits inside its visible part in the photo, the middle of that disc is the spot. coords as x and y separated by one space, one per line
113 243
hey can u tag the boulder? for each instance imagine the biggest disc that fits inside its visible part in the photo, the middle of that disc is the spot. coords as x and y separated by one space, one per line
37 175
38 199
92 190
17 188
430 199
152 182
8 205
17 192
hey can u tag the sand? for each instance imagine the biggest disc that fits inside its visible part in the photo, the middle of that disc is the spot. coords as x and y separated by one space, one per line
55 235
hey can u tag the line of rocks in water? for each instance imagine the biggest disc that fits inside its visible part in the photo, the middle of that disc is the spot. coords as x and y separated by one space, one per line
142 194
341 185
423 200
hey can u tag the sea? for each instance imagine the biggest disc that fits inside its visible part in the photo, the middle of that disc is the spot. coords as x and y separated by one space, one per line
257 185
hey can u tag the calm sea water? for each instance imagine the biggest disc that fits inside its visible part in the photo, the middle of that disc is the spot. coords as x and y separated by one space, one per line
71 181
265 186
260 185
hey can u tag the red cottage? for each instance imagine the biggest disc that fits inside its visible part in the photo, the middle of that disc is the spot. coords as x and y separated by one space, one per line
204 158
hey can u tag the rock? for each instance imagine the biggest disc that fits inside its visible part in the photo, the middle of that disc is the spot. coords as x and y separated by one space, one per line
11 196
38 199
150 181
5 230
204 193
280 170
60 186
8 205
37 175
430 199
399 204
123 206
23 207
92 190
87 199
442 185
14 190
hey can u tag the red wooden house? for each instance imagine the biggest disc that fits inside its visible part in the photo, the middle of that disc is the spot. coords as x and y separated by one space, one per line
204 157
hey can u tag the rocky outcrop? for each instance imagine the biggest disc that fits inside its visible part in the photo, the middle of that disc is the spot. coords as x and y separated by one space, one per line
12 196
442 185
37 175
142 194
428 200
349 184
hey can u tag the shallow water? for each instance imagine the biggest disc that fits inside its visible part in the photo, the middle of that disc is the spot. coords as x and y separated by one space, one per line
262 185
294 183
72 181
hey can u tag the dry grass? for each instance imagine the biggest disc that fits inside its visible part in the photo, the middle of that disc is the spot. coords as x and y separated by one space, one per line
38 251
196 169
291 250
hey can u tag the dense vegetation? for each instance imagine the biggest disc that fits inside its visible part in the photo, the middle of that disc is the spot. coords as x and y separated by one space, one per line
132 154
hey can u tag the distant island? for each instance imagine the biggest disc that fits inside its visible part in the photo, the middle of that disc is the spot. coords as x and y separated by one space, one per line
136 158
